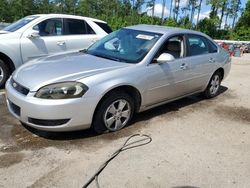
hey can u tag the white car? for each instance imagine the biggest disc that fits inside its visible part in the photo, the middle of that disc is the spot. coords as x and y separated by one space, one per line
37 36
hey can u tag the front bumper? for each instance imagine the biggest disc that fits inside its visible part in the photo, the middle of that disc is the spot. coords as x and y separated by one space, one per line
50 115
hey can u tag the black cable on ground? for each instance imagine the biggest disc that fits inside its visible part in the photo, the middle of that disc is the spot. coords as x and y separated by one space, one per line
142 140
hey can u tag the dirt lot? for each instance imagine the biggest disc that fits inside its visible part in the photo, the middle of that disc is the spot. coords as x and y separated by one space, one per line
196 143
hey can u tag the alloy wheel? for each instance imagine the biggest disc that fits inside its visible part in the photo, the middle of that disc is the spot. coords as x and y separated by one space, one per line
117 115
1 74
215 84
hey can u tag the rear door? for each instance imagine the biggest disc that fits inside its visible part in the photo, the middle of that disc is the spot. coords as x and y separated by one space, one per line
79 34
201 55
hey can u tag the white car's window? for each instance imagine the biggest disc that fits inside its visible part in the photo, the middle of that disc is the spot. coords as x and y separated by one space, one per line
197 45
76 27
104 26
50 27
125 45
20 23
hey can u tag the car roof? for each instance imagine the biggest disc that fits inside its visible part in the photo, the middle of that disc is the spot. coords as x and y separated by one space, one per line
163 29
69 16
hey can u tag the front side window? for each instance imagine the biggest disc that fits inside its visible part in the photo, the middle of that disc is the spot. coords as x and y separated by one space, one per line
20 23
174 46
50 27
125 45
197 45
77 27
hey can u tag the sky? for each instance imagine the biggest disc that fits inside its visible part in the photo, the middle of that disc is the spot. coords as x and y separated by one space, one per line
205 9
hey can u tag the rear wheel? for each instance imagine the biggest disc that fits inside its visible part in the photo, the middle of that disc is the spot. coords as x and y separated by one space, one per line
114 112
213 87
4 73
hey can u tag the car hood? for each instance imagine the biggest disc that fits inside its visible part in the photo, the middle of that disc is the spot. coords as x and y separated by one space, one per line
8 35
60 68
3 32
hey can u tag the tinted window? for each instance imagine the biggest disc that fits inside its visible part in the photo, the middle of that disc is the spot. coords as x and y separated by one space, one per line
77 27
197 45
104 26
212 47
50 27
89 30
173 46
20 23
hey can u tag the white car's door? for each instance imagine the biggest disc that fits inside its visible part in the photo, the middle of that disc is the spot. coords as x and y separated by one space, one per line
48 39
79 34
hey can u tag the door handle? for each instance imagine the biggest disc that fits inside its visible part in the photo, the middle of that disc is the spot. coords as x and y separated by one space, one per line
60 43
211 60
184 66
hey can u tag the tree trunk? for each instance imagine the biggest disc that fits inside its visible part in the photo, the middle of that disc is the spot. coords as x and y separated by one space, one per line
177 10
222 12
236 13
199 11
171 6
163 11
153 9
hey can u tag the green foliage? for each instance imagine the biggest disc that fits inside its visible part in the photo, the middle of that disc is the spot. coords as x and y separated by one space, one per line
120 13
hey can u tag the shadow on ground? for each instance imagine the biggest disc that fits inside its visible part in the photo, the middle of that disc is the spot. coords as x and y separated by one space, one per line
16 137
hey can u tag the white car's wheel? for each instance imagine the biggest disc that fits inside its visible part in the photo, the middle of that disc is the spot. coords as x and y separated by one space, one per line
4 73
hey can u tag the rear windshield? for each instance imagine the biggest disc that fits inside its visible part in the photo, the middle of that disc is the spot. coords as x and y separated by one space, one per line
104 26
20 23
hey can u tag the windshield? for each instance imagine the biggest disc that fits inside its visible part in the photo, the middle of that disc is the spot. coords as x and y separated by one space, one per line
125 45
20 23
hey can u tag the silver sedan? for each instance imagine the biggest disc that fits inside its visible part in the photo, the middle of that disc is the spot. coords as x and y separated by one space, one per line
130 70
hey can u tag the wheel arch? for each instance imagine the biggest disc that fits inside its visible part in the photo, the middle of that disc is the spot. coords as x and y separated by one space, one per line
130 90
9 63
221 70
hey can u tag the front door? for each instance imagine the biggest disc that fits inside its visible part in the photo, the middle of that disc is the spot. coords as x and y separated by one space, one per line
168 80
50 40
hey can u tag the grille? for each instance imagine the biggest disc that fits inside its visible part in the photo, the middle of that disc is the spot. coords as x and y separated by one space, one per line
18 87
16 109
43 122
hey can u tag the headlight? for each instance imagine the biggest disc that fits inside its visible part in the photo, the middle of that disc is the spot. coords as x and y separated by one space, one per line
64 90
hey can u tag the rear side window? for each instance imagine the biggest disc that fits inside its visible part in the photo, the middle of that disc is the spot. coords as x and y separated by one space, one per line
212 47
197 45
76 27
104 26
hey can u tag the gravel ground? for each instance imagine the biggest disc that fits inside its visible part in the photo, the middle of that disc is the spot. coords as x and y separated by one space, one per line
196 143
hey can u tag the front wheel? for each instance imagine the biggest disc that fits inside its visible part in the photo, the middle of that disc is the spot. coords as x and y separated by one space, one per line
4 73
114 112
213 87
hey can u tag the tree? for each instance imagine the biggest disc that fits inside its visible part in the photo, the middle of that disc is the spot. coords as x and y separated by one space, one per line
193 5
198 16
163 11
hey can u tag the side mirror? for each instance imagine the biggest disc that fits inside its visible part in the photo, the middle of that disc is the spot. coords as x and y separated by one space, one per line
165 57
33 34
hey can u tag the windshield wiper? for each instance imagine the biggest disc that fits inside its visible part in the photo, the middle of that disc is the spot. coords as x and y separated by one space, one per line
110 58
83 50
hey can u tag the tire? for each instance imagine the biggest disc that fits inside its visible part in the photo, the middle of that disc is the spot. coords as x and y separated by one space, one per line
4 73
109 109
213 87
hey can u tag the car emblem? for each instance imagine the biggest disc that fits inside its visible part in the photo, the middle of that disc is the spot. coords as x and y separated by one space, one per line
14 85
